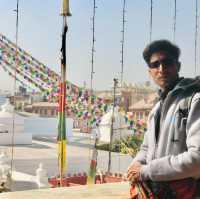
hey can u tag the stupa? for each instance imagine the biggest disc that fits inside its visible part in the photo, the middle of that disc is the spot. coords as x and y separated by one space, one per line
12 127
120 130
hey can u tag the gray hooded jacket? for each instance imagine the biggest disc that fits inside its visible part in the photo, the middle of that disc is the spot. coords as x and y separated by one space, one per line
176 153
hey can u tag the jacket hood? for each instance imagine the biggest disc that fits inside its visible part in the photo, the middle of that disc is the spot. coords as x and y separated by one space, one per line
186 83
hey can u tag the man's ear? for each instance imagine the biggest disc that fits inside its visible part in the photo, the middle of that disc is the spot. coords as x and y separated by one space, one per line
178 66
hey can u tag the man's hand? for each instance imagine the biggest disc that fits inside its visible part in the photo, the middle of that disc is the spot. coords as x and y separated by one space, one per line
133 173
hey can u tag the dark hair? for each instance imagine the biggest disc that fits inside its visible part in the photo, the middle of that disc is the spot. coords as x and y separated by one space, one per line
161 45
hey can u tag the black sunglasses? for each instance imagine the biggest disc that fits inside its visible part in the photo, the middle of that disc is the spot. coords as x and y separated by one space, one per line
166 62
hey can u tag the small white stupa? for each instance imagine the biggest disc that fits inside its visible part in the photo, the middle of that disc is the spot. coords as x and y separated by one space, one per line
12 127
5 177
119 126
4 165
41 177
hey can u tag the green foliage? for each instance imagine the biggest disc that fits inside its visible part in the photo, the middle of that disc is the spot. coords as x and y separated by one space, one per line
129 145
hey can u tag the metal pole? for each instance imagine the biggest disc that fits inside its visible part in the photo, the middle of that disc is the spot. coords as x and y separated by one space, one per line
112 124
122 42
93 43
14 90
174 28
196 37
151 21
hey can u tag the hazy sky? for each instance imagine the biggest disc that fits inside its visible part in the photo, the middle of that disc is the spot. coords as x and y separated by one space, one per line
40 34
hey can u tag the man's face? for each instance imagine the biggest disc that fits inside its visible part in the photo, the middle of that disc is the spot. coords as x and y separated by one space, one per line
163 69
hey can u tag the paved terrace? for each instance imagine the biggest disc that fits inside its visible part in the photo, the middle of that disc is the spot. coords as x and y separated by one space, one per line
44 150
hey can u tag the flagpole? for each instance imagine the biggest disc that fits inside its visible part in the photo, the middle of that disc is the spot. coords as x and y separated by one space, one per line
62 95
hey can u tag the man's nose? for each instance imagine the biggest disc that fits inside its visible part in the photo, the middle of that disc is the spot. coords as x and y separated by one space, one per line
162 67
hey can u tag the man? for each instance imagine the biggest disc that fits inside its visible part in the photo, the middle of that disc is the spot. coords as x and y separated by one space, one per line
170 153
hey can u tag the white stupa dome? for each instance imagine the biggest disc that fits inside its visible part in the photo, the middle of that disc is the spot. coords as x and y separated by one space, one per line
4 159
7 111
7 107
8 117
119 126
119 119
11 129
